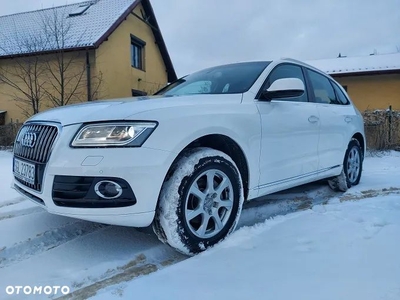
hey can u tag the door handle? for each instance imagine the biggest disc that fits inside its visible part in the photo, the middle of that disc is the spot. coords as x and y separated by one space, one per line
313 119
348 119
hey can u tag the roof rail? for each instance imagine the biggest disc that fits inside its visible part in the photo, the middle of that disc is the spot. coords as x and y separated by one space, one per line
291 59
299 62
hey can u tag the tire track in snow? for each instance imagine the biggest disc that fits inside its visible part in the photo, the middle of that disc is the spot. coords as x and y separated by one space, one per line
141 265
290 201
370 194
46 241
285 202
12 202
21 212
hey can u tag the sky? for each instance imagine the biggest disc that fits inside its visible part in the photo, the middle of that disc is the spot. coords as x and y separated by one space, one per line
203 33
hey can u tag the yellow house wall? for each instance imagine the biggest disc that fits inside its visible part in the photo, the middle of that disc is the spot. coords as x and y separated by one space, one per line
7 103
8 94
113 60
370 92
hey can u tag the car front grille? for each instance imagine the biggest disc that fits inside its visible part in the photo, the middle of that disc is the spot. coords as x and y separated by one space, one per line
34 144
43 142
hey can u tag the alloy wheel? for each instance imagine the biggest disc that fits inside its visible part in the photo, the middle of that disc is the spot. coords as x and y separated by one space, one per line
353 165
209 203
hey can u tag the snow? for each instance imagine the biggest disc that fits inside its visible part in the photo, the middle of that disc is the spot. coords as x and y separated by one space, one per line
7 195
340 250
335 251
305 243
358 64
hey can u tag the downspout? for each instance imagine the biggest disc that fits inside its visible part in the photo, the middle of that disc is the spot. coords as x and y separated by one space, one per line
88 77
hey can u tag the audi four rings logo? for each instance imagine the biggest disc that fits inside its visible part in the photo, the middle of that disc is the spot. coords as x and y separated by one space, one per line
29 139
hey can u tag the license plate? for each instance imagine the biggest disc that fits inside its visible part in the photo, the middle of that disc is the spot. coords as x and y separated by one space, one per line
24 171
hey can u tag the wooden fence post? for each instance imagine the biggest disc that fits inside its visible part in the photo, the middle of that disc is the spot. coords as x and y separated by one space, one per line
390 125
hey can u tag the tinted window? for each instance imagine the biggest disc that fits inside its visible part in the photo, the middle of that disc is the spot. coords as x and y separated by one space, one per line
340 95
229 79
287 71
322 88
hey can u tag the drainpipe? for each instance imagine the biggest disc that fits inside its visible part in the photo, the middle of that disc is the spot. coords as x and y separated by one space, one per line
88 77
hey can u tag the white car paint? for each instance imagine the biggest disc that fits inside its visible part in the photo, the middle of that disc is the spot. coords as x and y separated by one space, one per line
285 144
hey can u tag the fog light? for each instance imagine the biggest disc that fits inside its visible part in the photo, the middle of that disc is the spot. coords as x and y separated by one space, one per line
108 189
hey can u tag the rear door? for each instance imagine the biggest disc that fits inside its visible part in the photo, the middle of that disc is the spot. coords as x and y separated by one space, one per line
336 119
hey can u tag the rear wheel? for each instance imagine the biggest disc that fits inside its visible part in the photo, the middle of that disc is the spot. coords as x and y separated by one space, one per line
352 168
201 202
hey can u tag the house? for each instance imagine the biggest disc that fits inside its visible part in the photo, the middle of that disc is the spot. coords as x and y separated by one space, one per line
98 49
372 82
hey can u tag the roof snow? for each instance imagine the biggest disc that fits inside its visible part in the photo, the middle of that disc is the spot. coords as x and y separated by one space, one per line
24 33
359 64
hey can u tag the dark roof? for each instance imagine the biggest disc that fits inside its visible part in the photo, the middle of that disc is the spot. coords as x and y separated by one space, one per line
88 30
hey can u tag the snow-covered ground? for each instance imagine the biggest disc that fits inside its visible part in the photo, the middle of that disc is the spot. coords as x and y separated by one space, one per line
305 243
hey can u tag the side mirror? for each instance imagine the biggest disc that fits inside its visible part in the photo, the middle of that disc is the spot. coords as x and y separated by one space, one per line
284 88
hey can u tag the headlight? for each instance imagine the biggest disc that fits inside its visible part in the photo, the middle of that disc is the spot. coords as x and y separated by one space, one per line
115 134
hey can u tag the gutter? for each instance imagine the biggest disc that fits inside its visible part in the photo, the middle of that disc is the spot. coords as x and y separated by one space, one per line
88 77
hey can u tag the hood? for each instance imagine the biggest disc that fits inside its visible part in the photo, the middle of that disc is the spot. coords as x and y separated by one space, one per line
121 109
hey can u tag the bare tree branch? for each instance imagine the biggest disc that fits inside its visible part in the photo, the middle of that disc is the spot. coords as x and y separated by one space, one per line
58 78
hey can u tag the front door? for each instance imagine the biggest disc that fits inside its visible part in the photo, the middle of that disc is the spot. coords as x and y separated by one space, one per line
290 134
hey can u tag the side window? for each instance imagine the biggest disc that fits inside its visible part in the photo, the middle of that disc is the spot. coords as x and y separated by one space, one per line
340 95
322 88
287 71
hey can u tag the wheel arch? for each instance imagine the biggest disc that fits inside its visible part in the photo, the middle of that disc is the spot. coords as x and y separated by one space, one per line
360 138
224 144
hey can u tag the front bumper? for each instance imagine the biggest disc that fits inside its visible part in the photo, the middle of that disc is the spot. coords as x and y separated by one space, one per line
144 169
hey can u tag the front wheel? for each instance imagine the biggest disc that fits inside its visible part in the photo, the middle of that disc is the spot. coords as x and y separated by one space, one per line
352 168
200 203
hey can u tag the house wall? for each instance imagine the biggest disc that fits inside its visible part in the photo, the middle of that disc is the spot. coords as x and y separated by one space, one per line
371 92
16 71
113 60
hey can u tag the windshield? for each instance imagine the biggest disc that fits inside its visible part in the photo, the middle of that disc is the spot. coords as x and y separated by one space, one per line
228 79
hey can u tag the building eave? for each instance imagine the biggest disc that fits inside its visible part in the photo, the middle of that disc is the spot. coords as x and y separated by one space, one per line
47 52
365 73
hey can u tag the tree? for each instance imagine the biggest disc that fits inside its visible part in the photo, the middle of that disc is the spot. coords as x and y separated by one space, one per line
25 74
66 70
46 72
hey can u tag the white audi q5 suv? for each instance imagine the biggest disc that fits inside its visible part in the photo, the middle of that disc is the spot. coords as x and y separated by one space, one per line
185 159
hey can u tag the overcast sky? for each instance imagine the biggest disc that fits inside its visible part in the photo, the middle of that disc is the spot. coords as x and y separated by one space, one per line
202 33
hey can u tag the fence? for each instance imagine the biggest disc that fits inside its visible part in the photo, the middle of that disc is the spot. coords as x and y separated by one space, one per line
382 129
8 133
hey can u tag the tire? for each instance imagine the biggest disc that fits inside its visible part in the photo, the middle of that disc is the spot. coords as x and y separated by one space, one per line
200 202
352 168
